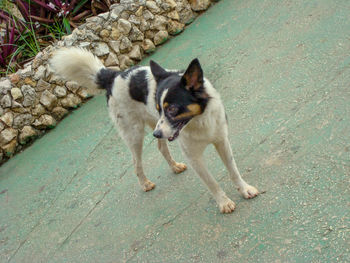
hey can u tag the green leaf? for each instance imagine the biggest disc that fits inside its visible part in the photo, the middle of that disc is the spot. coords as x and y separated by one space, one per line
67 25
79 5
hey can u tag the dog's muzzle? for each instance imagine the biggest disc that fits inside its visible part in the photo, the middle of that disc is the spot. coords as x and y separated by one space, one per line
158 134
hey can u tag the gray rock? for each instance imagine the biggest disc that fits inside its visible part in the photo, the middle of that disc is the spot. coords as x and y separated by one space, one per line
185 12
1 111
60 91
7 118
144 25
45 121
57 79
94 19
104 16
48 99
10 148
16 93
27 134
148 46
15 104
85 45
59 113
69 40
130 5
71 101
22 120
5 86
160 37
150 34
38 110
134 19
152 6
165 6
159 23
5 102
124 26
139 11
83 93
114 45
135 53
125 15
112 60
7 135
38 60
26 72
101 49
17 107
147 15
175 27
91 36
172 3
136 34
199 5
115 34
173 15
72 86
2 126
29 95
116 10
125 62
125 45
42 85
80 34
40 73
104 33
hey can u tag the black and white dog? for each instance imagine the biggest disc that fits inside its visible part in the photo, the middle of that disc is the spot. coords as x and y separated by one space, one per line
175 104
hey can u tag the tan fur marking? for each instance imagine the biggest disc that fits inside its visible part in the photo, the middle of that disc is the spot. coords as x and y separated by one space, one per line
157 106
194 109
165 105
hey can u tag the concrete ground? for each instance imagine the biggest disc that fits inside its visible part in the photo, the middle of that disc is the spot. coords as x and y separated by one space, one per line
283 69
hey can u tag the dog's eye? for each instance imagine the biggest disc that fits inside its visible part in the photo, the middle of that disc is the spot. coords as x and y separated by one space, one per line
172 110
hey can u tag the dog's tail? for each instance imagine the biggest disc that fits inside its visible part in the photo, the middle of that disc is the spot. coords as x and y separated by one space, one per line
79 65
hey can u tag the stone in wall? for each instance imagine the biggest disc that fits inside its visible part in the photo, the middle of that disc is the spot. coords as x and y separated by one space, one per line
160 37
27 134
199 5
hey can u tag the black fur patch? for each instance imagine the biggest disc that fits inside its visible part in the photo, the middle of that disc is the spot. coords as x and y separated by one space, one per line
138 88
125 73
105 80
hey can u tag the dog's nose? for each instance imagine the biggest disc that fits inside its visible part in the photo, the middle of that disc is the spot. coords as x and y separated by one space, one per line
157 134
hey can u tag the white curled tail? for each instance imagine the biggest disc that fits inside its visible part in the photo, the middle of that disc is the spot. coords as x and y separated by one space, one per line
77 64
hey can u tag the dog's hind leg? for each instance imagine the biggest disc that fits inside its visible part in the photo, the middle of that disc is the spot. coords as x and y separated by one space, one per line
131 129
225 152
175 166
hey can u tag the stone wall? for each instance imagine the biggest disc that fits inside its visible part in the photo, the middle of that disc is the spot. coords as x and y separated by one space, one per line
33 99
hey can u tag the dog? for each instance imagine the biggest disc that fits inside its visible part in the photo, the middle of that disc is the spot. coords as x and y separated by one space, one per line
177 105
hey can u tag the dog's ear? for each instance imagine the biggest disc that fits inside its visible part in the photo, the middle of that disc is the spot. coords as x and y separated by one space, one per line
157 71
193 77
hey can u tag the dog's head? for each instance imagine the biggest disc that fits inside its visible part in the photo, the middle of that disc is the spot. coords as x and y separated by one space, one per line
179 98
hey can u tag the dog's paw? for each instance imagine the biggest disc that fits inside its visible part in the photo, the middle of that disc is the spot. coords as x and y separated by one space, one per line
178 167
148 186
227 206
248 191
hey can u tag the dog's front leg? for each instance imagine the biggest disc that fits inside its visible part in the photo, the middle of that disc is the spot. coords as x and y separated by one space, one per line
225 152
194 153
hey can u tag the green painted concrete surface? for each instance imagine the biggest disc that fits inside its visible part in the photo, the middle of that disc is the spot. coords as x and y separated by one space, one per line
283 69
